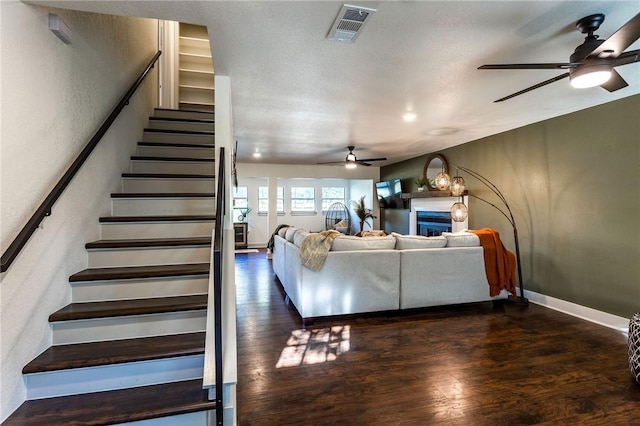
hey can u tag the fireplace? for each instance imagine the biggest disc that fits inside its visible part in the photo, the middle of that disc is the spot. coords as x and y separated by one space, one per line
435 204
430 224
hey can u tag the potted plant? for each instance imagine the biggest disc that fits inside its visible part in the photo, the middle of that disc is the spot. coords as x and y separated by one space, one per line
362 212
420 183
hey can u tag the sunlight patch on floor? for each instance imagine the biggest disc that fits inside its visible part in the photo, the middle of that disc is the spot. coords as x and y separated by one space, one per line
315 346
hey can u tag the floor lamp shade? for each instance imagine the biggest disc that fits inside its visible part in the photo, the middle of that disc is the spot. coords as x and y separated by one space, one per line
459 212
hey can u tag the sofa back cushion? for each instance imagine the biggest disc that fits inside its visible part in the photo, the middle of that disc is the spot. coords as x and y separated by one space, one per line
351 243
405 242
282 232
461 239
299 236
291 231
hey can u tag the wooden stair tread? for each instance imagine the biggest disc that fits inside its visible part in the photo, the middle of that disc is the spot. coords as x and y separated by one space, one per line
163 195
178 218
184 110
131 272
149 242
80 355
181 132
119 308
185 159
166 176
178 145
119 406
182 120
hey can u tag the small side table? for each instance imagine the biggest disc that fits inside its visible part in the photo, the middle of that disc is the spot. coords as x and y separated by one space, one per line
634 346
240 231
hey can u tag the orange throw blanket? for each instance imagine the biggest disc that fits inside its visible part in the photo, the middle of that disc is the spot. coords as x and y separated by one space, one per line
499 263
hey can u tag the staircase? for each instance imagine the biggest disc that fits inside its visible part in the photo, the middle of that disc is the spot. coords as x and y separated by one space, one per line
130 346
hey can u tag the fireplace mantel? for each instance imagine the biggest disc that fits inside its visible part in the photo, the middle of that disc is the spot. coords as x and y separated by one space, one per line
427 194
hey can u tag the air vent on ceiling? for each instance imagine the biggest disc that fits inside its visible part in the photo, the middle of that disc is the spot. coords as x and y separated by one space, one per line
349 23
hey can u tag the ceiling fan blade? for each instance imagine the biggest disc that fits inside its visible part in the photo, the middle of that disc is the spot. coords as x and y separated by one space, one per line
374 159
620 40
362 163
615 82
528 89
547 66
627 58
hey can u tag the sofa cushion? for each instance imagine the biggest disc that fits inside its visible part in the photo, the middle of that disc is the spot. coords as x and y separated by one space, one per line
299 236
404 242
351 243
282 232
461 239
291 231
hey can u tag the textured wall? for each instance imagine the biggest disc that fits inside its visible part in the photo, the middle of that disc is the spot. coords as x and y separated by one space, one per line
573 183
54 97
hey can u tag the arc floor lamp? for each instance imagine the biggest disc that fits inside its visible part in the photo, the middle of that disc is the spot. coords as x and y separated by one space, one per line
459 212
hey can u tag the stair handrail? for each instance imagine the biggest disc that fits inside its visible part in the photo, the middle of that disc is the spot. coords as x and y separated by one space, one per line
46 206
218 258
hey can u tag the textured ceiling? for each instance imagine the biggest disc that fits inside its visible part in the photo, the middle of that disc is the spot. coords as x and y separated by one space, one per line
299 98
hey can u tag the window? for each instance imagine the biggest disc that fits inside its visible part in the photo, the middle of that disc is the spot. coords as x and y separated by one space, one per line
330 195
240 202
280 199
263 199
303 199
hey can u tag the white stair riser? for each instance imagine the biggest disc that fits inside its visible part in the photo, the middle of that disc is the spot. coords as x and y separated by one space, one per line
114 376
130 185
127 230
188 115
161 151
140 166
162 206
189 126
148 256
177 137
96 291
199 418
129 327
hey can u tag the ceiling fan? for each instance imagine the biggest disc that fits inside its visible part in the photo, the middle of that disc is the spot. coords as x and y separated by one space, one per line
351 162
592 63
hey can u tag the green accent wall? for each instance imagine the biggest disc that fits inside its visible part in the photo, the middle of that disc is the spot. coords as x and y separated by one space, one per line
573 183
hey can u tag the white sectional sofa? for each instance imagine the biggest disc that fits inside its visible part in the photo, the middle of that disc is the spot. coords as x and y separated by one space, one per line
371 274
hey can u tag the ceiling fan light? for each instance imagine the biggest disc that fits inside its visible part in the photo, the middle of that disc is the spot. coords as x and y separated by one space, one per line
350 164
351 157
590 76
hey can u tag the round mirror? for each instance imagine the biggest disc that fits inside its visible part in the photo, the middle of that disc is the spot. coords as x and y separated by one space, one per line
435 164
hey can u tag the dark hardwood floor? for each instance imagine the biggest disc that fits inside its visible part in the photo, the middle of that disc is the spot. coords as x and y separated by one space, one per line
465 365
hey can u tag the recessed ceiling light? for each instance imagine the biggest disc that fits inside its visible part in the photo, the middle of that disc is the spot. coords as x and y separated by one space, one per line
409 116
257 154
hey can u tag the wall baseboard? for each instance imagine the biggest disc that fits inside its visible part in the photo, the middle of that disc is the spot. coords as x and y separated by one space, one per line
589 314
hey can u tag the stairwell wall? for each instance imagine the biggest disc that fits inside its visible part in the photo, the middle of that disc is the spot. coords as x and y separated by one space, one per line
53 98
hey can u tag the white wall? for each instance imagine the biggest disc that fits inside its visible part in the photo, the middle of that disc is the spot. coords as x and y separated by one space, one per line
361 179
54 97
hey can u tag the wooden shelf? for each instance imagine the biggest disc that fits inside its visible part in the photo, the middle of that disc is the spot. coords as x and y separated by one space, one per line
428 194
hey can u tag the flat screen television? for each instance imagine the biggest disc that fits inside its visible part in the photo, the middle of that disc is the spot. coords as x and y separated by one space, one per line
389 194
